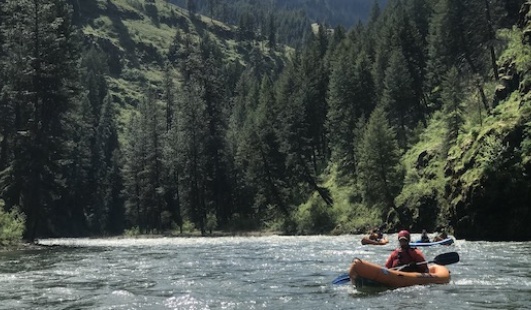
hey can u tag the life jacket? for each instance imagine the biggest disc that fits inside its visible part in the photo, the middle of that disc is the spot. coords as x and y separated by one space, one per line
403 257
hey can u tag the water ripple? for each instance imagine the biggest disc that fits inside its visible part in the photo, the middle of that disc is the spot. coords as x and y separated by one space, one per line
274 272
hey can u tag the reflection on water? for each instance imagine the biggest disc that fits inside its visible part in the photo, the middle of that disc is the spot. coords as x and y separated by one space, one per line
249 273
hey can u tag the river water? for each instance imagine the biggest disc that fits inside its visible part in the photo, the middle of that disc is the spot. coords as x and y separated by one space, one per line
273 272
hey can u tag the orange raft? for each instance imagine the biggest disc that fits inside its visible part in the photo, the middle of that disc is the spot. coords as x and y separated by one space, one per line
366 240
366 275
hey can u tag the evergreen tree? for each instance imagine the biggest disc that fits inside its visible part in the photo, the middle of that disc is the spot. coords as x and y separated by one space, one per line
77 200
341 114
110 180
244 102
302 94
399 97
7 111
379 163
460 36
133 166
143 167
152 135
171 165
452 94
259 154
192 129
41 60
272 32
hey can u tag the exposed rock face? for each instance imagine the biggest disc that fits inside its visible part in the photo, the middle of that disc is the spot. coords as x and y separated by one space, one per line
492 201
509 81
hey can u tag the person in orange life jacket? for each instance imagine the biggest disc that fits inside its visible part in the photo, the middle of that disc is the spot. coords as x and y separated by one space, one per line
406 255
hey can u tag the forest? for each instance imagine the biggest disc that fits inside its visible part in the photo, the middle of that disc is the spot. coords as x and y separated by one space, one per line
128 117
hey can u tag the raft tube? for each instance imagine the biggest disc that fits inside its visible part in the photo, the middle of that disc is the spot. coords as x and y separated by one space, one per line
446 241
366 275
366 240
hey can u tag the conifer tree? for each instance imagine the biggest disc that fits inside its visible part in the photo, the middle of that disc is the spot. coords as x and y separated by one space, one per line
244 102
452 94
110 179
379 163
152 135
398 96
264 163
134 156
192 136
341 114
40 47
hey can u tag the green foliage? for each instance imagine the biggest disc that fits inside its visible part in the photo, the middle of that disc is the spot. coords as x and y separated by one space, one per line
315 217
451 97
516 50
12 225
379 164
246 143
189 227
211 222
132 232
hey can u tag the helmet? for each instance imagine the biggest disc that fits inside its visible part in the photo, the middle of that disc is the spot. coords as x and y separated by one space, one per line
404 234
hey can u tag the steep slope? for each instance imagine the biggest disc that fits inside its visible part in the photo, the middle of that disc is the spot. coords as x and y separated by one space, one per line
481 188
136 36
490 176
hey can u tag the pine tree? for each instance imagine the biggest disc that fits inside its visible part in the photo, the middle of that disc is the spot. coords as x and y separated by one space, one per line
302 122
133 166
151 175
399 97
244 102
379 163
341 114
452 94
192 136
110 180
40 47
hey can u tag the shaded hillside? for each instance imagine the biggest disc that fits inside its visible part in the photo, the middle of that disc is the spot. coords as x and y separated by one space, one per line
490 174
481 190
136 36
166 121
291 19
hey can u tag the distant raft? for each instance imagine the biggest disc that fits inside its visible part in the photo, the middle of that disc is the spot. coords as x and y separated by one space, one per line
382 241
447 241
367 276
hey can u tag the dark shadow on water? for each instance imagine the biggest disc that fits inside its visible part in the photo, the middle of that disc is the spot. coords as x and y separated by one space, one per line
39 257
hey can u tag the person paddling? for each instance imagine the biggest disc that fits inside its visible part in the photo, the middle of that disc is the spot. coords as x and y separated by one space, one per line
406 255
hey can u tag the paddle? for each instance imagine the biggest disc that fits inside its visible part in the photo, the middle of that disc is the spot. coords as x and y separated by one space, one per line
441 259
342 279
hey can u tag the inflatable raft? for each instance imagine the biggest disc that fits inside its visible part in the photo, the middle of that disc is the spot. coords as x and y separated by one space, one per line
366 276
366 240
446 241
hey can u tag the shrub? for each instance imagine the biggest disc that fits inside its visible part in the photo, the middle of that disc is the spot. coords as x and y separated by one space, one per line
12 224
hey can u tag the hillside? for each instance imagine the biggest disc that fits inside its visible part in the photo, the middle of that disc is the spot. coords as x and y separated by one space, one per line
482 188
136 36
141 117
290 18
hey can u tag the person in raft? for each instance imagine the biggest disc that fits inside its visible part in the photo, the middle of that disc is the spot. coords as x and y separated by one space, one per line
376 234
441 237
424 238
406 255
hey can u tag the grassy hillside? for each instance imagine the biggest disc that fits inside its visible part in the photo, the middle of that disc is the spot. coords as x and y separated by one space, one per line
474 183
136 36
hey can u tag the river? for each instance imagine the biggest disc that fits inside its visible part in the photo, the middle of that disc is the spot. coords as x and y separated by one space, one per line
273 272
